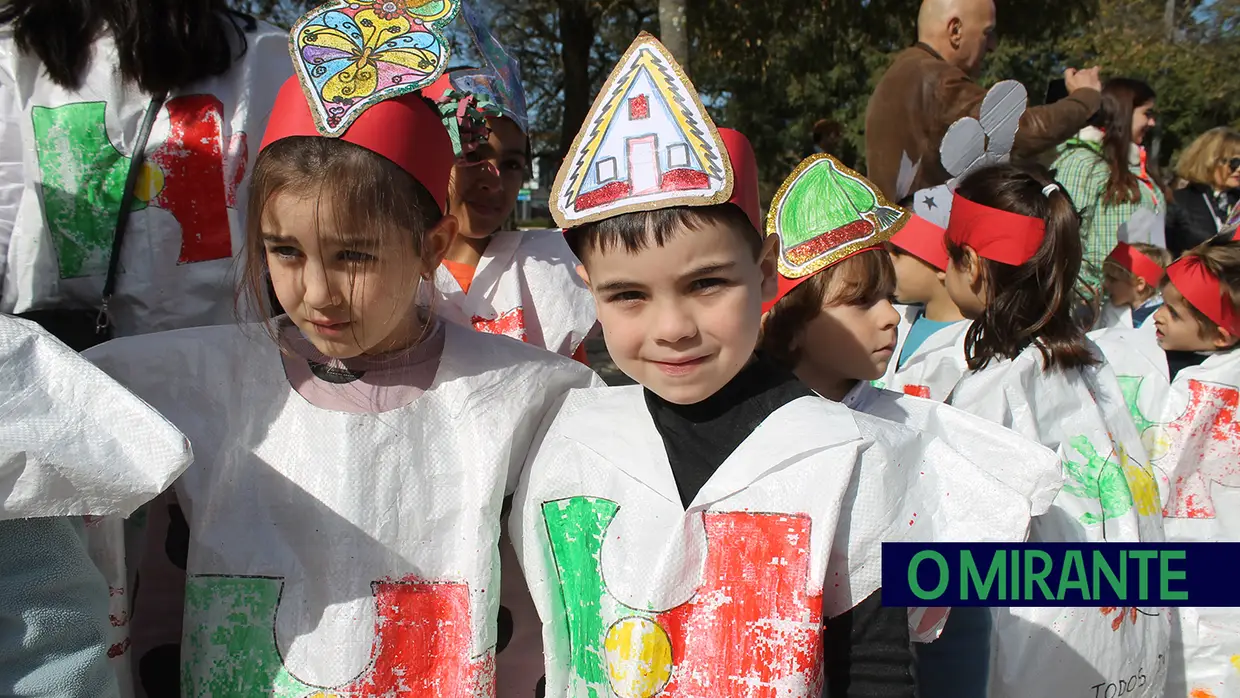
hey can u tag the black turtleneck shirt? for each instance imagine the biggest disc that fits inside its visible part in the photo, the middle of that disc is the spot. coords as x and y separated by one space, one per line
867 651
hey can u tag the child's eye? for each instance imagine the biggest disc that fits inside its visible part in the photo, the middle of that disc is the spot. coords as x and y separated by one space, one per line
354 256
626 297
513 166
284 251
707 284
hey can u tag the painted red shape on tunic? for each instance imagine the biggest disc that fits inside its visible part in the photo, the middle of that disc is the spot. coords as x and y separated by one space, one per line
238 156
195 187
510 324
417 626
752 625
917 391
1204 448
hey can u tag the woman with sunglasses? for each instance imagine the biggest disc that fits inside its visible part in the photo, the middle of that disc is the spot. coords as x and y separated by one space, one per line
1210 168
1104 170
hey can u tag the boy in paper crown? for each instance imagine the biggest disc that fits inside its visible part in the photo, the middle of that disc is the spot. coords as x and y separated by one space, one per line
1194 437
519 283
690 535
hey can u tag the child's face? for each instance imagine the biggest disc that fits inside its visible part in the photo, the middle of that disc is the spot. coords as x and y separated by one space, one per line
483 192
1120 288
966 286
682 319
848 343
347 296
1178 330
916 281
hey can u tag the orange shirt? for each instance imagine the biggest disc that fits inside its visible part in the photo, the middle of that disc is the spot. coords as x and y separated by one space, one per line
463 273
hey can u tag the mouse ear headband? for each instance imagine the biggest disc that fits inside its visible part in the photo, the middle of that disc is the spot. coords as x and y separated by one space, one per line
970 144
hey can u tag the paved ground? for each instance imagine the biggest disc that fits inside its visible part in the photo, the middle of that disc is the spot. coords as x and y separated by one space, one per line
596 354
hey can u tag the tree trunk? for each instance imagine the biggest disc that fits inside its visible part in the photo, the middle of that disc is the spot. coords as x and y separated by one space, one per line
577 31
673 29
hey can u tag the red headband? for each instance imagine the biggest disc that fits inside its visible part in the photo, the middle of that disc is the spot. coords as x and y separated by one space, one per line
1138 263
1204 292
744 175
924 240
1000 236
786 285
402 129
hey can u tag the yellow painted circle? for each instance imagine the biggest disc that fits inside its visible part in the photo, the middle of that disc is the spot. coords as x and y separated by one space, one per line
150 182
639 657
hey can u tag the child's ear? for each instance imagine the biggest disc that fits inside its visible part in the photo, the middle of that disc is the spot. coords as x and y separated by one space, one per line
435 243
972 265
583 274
1222 339
1140 286
941 275
768 262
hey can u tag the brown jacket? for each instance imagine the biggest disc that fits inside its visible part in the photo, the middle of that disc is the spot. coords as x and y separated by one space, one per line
921 96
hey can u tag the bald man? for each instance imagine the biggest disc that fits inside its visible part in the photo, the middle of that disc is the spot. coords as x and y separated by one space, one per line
929 86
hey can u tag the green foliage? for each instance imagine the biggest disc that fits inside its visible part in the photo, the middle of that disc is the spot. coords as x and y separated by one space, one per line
772 69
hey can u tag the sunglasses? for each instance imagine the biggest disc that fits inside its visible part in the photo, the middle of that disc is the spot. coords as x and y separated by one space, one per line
1233 164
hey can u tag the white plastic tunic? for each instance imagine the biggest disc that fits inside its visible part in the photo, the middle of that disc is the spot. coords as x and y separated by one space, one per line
1195 437
526 286
936 366
73 442
352 553
638 595
64 157
1110 493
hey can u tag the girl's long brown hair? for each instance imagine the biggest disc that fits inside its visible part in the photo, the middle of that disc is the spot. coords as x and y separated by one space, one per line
1030 303
1120 98
370 196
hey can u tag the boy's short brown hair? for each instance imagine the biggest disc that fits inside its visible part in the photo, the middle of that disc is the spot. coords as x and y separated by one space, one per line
633 232
863 277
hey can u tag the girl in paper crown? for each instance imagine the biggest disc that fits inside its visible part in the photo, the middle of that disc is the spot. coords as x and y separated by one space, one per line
690 535
519 283
1193 436
352 455
1013 240
833 324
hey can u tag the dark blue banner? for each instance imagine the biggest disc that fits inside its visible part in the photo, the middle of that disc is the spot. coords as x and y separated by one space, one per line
1061 574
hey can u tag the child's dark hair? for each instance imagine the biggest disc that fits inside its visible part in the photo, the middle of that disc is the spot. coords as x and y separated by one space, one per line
1030 303
864 278
161 45
633 232
1221 257
370 196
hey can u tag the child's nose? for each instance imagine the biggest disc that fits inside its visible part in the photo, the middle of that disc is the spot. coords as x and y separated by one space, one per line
673 322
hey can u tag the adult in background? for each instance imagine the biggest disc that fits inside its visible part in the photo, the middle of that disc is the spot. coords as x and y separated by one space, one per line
1104 170
77 79
1210 167
931 85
